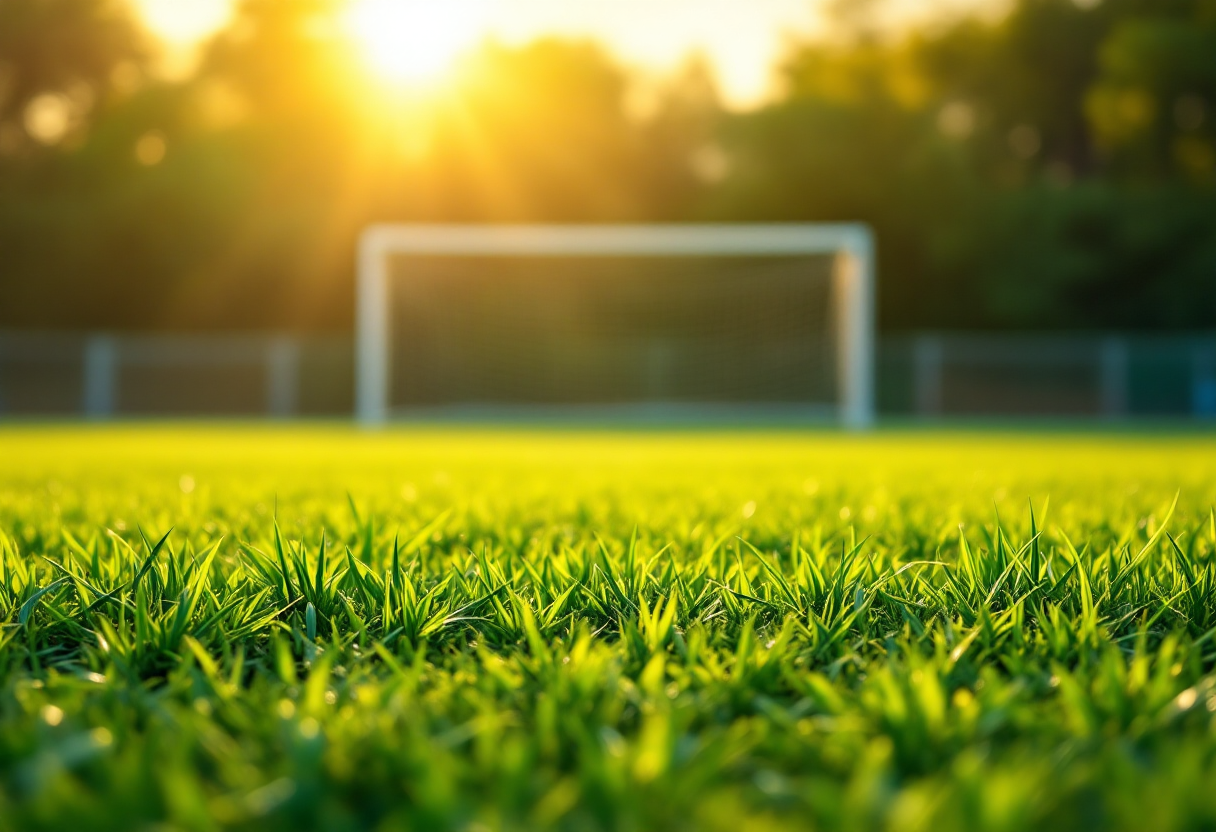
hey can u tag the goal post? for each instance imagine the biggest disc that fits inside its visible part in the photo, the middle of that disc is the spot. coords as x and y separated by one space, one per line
392 254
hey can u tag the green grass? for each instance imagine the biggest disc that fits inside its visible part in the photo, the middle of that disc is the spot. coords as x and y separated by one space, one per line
268 629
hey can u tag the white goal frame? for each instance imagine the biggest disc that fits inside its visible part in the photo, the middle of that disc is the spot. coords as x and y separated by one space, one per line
853 277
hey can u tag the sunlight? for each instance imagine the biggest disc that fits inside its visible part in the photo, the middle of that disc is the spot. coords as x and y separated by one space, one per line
415 41
182 22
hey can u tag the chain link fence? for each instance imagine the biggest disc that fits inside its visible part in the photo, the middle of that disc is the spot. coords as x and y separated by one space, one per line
1112 376
103 376
928 376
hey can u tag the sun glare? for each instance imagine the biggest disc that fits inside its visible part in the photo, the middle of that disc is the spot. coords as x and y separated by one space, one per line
415 41
184 21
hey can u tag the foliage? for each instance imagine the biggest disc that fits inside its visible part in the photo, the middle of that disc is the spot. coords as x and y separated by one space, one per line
1054 169
455 630
86 50
1015 169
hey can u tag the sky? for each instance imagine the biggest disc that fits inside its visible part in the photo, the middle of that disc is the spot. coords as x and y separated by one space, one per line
742 39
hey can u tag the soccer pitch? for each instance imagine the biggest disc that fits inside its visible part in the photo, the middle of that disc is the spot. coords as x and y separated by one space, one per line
316 628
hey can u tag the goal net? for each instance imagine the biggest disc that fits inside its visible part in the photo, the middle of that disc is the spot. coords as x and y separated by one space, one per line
685 322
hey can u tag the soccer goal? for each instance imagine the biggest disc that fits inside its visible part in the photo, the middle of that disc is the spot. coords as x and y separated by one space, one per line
669 322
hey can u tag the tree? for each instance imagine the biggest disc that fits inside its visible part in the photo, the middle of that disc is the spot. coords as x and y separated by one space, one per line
60 62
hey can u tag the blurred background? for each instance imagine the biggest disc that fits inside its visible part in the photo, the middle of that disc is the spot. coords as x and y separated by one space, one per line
182 182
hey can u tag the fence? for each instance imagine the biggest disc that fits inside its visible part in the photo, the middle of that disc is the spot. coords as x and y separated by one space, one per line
925 375
934 375
104 375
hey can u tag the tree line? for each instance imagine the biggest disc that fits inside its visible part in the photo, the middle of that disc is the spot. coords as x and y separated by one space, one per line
1051 168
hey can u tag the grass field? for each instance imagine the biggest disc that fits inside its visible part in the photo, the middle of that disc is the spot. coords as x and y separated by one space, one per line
260 628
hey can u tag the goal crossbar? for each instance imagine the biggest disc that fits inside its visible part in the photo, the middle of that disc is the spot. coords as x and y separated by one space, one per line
852 244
